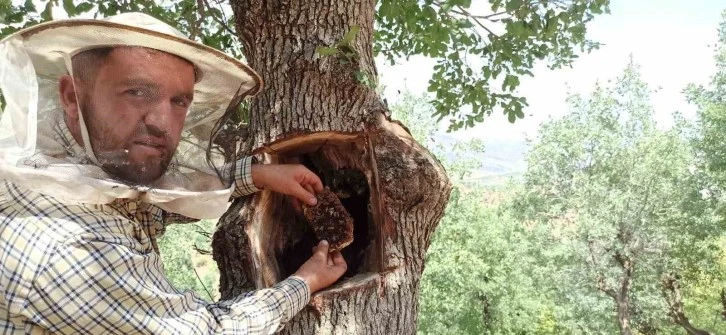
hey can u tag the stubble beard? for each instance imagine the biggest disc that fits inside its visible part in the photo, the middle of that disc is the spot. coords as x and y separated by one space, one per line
116 161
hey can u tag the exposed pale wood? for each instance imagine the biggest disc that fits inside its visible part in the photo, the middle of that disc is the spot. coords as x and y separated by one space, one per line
291 145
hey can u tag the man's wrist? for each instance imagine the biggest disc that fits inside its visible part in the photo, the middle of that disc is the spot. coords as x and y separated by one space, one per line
256 175
244 185
295 276
301 289
311 284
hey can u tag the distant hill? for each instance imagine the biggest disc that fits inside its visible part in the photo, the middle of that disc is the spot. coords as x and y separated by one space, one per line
502 159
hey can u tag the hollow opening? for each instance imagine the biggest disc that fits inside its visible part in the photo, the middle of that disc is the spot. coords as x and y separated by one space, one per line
339 169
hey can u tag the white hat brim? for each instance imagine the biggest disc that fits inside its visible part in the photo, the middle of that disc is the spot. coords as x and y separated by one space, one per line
221 75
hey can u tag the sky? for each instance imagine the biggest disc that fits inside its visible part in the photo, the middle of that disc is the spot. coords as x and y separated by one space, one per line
672 41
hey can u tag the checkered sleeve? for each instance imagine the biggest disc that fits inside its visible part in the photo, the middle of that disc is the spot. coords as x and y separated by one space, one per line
243 178
106 287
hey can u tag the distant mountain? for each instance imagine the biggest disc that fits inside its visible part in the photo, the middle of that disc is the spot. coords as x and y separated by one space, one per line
501 160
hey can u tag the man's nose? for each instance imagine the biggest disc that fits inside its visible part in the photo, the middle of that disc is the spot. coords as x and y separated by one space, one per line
161 118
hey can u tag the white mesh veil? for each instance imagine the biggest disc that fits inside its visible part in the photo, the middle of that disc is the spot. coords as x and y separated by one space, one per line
31 155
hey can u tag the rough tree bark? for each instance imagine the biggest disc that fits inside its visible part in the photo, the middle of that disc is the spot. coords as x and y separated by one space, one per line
315 111
672 294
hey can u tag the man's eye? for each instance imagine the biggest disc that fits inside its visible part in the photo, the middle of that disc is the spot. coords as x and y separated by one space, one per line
136 93
179 102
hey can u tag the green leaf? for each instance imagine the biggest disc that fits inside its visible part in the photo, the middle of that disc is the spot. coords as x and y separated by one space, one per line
487 71
326 51
548 30
510 82
84 7
513 5
496 4
69 7
29 6
350 35
47 14
360 76
518 112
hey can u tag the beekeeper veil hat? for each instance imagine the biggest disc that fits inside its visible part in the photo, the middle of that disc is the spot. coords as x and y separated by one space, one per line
31 156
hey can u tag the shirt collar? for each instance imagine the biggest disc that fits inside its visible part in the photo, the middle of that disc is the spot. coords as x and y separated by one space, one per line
65 138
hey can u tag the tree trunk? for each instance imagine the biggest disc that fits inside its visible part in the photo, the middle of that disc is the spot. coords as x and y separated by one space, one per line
321 111
623 307
622 295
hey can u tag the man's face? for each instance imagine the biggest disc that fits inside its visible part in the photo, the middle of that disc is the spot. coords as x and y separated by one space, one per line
134 110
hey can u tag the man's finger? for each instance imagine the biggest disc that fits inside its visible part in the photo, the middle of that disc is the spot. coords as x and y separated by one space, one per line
303 195
305 176
338 259
322 250
314 181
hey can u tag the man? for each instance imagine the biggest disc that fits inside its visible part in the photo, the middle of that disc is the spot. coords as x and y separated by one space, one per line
99 150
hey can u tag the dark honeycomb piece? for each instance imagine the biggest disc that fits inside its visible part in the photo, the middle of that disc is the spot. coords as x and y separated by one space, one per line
330 221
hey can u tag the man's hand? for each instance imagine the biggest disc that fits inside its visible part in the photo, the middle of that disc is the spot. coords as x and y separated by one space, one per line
291 179
323 268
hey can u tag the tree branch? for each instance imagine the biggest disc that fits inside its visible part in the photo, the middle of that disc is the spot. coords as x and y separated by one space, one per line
211 297
465 13
601 284
628 266
220 22
605 288
671 292
489 17
195 26
476 20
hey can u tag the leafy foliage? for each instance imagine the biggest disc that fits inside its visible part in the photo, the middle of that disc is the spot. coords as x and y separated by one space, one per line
412 111
472 254
184 265
711 138
480 57
603 184
479 277
206 21
612 190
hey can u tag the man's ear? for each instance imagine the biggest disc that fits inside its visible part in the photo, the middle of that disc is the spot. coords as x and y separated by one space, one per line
67 93
69 101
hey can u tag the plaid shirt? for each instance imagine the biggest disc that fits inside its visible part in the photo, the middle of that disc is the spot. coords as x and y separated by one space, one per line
73 268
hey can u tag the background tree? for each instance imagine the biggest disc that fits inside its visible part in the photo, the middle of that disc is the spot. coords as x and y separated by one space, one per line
709 140
611 188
